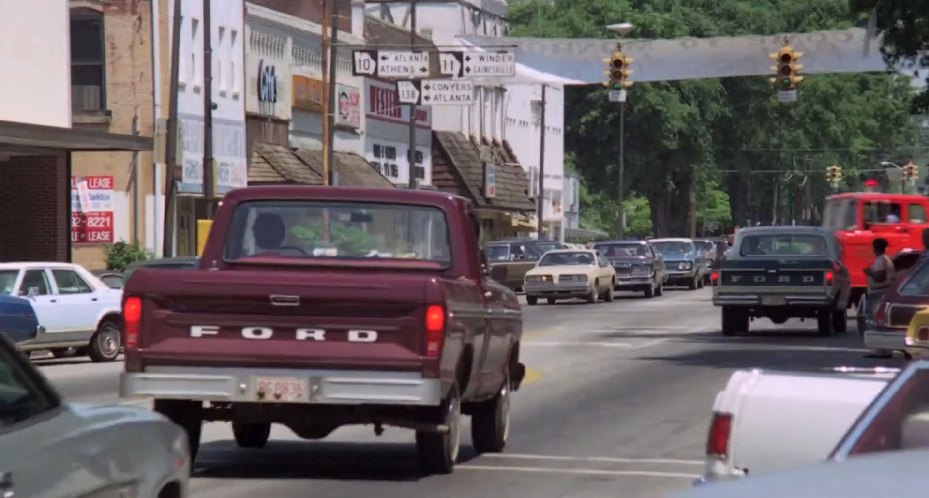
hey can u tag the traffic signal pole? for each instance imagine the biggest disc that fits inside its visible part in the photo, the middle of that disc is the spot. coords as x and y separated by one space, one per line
622 167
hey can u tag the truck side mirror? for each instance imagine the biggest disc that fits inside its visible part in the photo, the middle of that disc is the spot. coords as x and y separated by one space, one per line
914 430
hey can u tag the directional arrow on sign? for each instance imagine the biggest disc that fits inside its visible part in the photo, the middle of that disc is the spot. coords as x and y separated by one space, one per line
501 63
408 92
402 64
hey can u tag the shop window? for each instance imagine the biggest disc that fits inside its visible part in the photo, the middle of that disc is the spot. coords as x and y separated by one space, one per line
419 172
88 62
386 158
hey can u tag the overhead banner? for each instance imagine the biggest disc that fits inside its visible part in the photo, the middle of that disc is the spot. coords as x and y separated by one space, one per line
579 61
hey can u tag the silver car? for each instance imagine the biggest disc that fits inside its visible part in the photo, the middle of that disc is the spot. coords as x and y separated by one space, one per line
52 449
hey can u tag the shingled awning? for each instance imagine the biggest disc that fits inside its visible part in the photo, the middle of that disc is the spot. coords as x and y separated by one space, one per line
276 164
457 168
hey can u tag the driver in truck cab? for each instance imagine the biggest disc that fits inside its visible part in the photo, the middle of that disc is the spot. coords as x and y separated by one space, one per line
269 232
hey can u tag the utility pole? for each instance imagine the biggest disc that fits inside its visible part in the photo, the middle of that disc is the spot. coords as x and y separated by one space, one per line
171 142
412 146
622 165
208 174
541 195
331 98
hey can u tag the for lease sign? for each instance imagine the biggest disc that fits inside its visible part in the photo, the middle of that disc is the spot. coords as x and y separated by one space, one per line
92 210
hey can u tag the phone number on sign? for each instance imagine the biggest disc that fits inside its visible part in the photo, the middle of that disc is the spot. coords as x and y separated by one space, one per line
92 227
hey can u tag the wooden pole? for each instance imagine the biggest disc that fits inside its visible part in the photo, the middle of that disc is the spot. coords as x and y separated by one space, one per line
171 142
325 53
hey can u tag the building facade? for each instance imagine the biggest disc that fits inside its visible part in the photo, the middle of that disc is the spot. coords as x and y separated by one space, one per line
227 40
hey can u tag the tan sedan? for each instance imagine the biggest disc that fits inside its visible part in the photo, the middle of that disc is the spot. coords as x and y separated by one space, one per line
568 274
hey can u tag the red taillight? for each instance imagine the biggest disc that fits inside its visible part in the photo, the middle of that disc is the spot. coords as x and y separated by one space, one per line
922 335
435 330
132 319
714 277
829 276
717 442
881 314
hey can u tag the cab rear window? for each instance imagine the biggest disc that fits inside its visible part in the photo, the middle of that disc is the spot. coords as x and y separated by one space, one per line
783 245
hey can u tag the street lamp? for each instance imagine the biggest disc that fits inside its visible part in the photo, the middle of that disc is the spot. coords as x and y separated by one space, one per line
888 164
622 29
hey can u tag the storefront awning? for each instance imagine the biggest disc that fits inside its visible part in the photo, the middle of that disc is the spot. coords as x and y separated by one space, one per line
457 167
68 139
276 164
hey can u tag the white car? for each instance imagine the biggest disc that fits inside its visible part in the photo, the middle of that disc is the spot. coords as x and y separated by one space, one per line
75 309
570 273
55 449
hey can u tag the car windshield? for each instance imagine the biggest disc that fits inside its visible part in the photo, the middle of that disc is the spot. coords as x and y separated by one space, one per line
497 252
337 230
674 248
567 258
621 250
7 281
783 245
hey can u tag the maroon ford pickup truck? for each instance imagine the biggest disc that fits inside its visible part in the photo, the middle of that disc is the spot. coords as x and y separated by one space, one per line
317 307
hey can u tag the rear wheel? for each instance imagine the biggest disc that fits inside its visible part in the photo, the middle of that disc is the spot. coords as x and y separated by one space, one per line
840 320
490 423
106 342
188 415
251 435
826 322
532 300
438 452
735 321
552 300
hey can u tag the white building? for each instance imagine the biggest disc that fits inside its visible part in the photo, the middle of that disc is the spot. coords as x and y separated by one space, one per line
227 32
504 121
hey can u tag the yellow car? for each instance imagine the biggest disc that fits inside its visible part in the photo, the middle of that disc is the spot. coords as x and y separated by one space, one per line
570 273
917 336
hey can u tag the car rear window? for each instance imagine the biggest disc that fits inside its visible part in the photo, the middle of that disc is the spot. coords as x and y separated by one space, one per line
337 230
783 245
567 258
621 250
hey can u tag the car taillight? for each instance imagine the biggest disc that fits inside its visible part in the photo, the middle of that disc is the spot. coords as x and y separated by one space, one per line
435 330
829 276
880 315
714 277
717 442
132 319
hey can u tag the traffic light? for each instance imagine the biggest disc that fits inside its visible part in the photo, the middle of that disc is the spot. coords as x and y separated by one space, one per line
787 71
910 171
618 70
834 173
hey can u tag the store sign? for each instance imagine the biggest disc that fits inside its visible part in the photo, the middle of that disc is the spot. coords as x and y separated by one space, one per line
490 180
267 83
308 93
92 200
383 103
349 106
230 168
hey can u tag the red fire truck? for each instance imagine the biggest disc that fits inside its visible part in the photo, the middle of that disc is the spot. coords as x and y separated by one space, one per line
860 217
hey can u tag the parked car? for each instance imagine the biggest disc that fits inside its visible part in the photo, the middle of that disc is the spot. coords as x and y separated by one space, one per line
390 318
53 448
685 263
783 272
708 246
638 265
18 321
75 309
515 257
883 324
568 274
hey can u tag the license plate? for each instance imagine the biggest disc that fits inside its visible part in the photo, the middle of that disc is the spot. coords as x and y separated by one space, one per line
773 300
283 389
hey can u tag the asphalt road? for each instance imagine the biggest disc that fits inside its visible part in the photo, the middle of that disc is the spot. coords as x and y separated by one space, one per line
616 404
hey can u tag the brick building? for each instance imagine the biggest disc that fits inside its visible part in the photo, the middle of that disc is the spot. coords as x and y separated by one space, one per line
37 141
111 92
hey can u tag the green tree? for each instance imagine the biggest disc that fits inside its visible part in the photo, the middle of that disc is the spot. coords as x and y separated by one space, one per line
682 137
904 25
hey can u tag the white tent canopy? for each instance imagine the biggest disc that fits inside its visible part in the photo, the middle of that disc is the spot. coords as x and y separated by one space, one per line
579 61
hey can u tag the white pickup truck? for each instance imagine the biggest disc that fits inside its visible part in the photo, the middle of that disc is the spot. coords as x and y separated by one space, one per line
766 420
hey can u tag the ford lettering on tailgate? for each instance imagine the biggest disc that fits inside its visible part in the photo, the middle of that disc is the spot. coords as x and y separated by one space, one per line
780 278
300 334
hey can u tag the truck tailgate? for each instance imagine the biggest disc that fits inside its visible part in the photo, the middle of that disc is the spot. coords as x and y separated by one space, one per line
775 272
283 319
